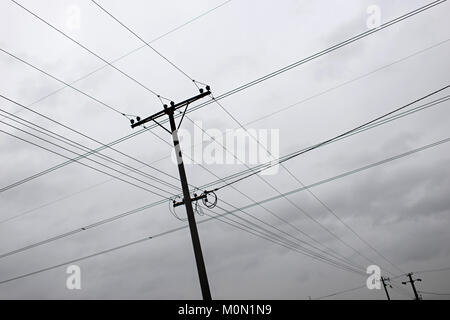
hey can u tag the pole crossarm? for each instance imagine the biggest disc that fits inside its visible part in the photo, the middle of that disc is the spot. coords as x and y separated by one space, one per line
172 108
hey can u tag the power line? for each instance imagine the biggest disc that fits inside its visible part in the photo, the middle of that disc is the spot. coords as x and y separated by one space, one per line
433 270
250 84
354 171
403 114
66 84
297 180
190 78
13 1
334 254
434 293
362 76
270 211
187 198
374 125
83 164
355 79
66 149
346 133
400 290
75 231
142 40
89 50
340 292
308 186
121 247
60 123
323 52
132 51
321 182
81 156
298 248
79 146
128 244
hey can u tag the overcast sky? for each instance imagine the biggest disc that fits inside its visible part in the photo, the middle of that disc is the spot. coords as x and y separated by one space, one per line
401 208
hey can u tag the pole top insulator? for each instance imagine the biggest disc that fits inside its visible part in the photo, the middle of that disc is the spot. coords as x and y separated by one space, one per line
208 88
132 121
201 90
172 103
138 118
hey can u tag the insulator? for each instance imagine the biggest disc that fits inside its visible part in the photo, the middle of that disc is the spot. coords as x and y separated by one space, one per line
207 203
138 118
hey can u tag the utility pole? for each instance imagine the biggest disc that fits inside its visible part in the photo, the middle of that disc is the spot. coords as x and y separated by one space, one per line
411 280
169 111
384 281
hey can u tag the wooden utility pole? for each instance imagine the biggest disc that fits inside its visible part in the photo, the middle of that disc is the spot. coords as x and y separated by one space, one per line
169 111
384 281
411 280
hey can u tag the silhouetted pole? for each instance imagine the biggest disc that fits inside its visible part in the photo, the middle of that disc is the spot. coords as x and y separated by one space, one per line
169 111
190 212
411 280
383 280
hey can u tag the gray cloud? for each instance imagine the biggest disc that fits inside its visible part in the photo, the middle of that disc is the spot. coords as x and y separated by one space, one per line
401 208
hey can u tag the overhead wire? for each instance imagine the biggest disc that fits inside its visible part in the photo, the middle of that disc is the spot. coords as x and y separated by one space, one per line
99 253
131 52
79 146
296 228
334 253
66 126
363 168
89 50
296 206
142 40
243 87
81 163
437 143
279 71
372 126
190 78
339 136
296 247
321 182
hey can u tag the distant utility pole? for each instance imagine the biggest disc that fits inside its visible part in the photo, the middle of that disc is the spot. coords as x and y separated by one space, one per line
384 281
412 284
169 111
